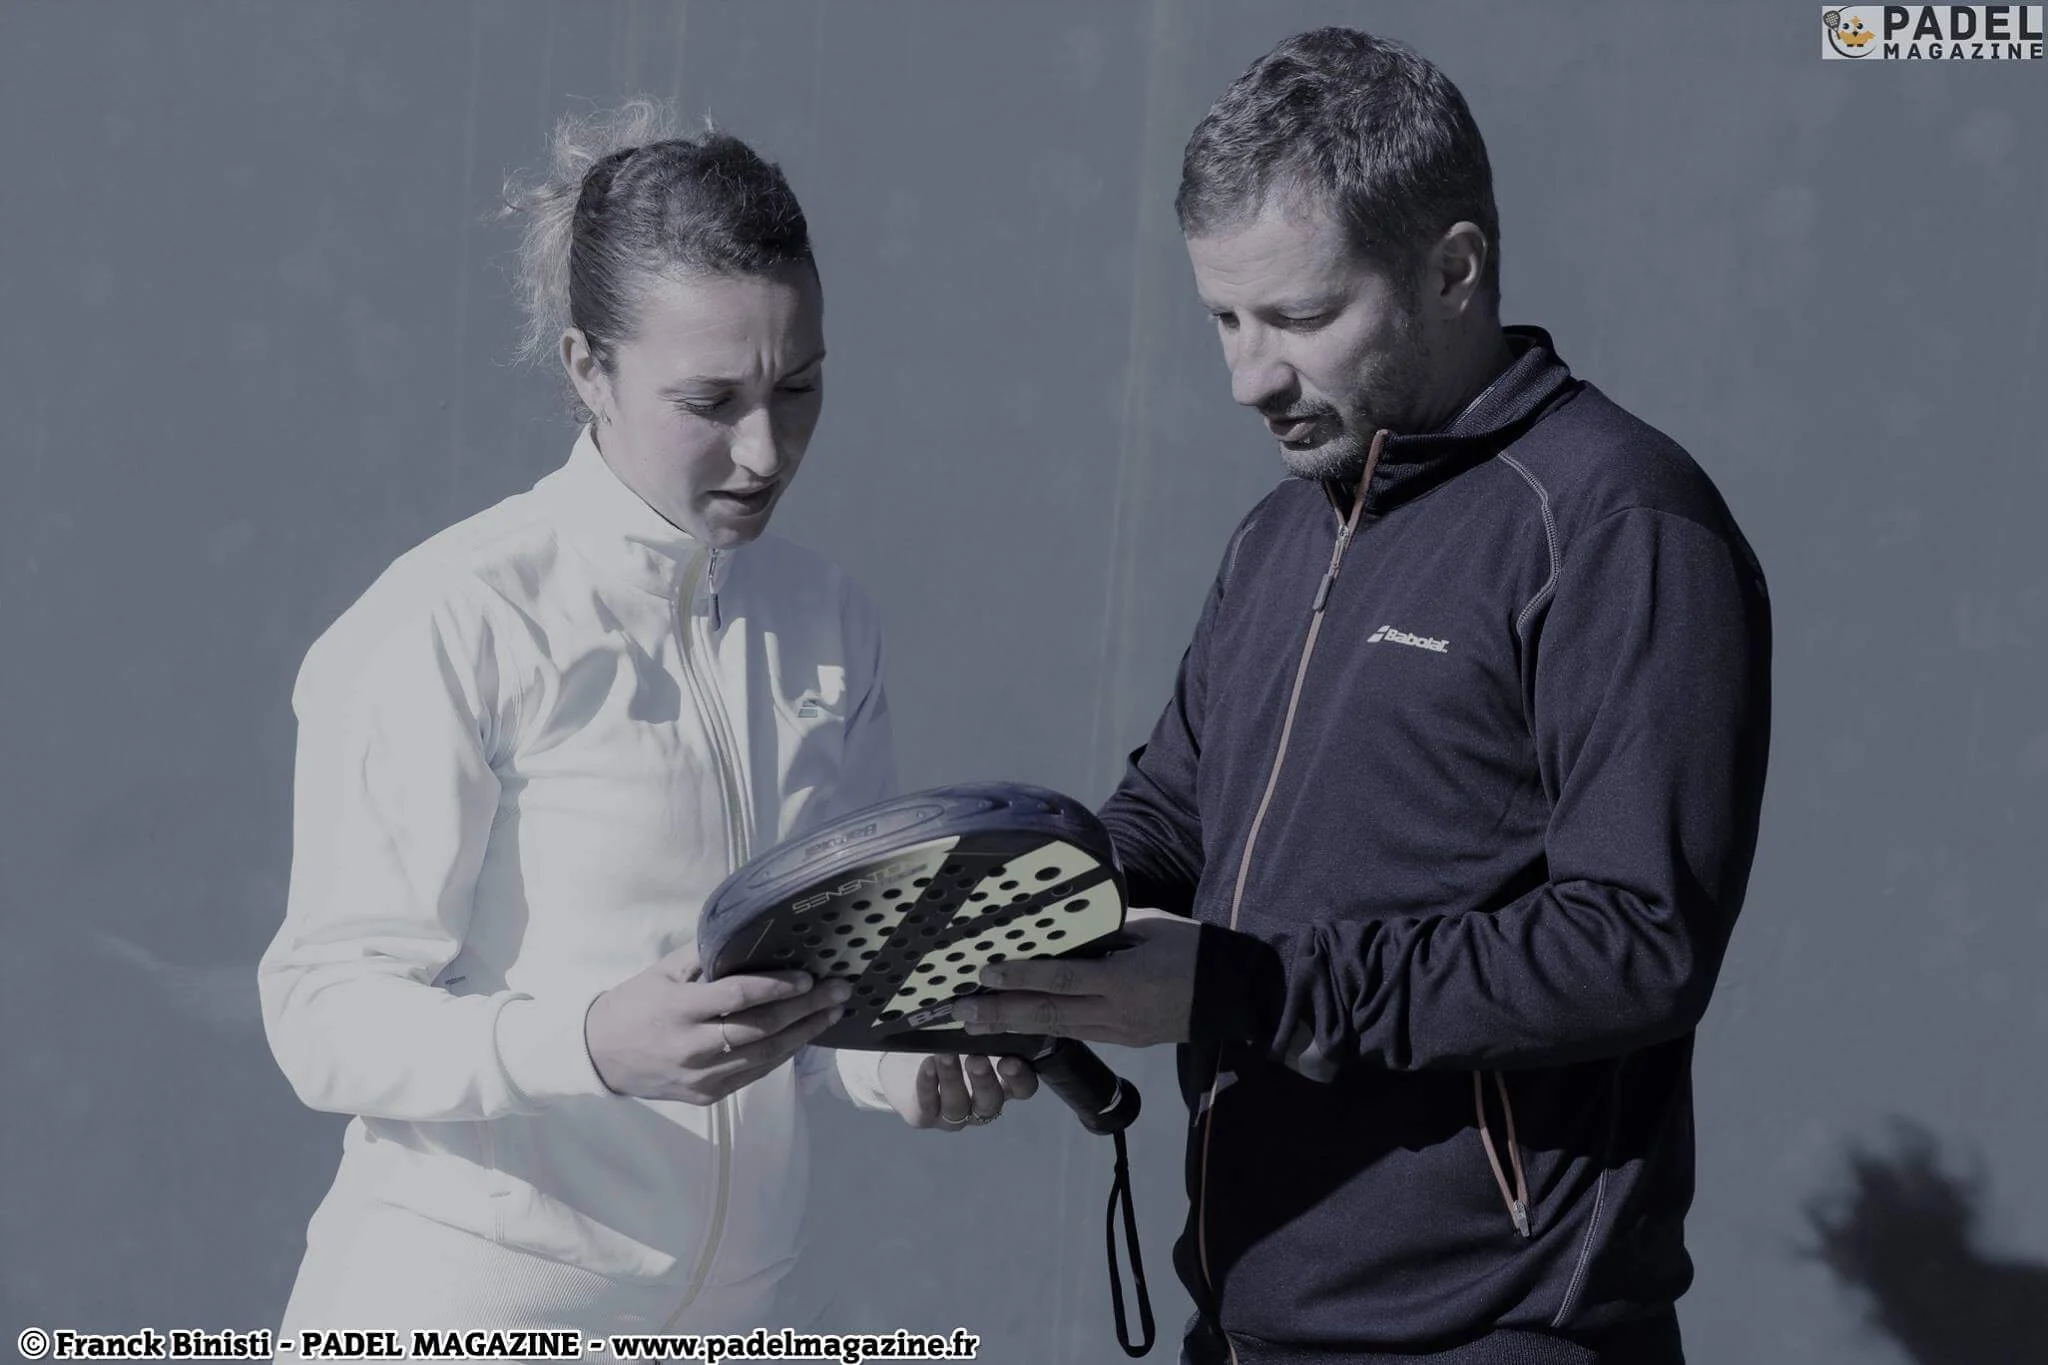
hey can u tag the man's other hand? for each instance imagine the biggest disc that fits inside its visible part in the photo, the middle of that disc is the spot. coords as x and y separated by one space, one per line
1139 996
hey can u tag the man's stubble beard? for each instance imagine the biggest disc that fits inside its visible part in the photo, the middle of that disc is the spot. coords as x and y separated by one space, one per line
1388 404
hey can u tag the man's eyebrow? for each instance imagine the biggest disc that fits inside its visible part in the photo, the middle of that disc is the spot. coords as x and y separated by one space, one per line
719 381
1306 306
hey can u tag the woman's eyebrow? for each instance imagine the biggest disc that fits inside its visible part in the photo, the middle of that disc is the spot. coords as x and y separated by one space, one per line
714 381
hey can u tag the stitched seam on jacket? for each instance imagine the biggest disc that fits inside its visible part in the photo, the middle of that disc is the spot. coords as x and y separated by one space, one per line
1549 537
1571 1290
1236 544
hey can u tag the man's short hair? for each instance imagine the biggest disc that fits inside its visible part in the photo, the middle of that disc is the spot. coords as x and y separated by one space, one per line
1362 126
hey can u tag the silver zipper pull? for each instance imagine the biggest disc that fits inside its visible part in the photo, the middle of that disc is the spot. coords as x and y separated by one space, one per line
711 578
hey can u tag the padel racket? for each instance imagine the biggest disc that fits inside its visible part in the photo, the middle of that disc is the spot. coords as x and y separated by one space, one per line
908 900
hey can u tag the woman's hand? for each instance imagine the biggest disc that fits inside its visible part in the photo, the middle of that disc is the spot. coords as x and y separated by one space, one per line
665 1035
951 1093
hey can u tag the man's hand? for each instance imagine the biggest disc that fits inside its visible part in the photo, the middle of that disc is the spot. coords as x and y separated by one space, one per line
668 1035
951 1093
1135 997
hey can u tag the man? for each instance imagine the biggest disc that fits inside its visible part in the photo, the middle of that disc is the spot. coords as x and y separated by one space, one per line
1455 800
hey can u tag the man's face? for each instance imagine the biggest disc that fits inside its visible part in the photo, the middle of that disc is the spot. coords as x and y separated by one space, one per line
1328 347
711 403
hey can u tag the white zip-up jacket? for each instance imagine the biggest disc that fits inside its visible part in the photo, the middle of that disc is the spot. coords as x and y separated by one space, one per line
526 757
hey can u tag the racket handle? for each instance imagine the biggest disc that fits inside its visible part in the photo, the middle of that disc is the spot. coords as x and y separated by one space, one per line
1102 1100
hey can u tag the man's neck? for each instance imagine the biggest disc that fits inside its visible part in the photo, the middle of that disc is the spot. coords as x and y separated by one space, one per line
1472 367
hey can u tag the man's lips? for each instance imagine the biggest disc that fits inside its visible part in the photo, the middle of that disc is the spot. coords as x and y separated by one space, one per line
1292 430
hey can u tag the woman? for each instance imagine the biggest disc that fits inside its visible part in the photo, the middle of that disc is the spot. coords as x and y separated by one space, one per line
527 755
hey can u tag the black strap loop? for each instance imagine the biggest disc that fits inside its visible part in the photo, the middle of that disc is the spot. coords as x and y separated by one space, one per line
1120 1192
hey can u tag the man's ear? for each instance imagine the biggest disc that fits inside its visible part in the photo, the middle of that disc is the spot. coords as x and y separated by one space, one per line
1456 272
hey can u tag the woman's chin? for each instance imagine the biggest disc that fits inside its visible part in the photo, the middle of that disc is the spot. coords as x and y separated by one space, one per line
725 530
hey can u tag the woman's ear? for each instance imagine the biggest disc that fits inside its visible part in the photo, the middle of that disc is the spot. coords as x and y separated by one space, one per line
588 377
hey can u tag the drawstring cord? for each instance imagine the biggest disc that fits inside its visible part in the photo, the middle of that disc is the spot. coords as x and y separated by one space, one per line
1120 1193
1517 1200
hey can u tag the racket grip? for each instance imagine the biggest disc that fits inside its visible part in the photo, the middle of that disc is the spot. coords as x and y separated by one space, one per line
1102 1100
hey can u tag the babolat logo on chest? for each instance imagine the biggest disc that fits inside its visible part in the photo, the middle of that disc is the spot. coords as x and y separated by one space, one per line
848 887
1388 635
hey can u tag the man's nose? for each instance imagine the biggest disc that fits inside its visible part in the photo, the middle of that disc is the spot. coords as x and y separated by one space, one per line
1257 375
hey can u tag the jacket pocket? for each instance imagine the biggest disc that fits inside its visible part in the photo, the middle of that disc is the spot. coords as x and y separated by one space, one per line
446 1172
623 1188
1325 1200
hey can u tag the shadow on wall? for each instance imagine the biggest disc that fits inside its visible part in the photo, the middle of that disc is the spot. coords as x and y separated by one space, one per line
1902 1235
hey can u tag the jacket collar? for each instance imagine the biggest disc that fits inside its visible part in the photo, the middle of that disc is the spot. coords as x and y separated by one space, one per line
1411 465
622 534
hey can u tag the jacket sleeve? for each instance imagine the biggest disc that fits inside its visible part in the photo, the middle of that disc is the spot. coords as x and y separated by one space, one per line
867 775
1650 704
1152 817
393 802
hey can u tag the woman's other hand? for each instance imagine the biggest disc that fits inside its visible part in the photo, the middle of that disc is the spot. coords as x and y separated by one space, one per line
666 1035
950 1093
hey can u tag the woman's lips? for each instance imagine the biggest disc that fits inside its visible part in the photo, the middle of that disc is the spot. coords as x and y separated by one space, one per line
751 502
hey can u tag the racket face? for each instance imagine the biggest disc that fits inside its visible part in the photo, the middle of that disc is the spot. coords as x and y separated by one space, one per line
911 916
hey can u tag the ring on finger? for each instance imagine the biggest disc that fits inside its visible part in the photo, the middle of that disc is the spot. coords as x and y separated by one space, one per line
724 1042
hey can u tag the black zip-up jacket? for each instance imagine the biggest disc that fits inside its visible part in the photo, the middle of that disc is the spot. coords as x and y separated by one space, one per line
1455 948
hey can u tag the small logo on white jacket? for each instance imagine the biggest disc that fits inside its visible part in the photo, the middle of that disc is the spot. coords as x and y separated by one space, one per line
1402 637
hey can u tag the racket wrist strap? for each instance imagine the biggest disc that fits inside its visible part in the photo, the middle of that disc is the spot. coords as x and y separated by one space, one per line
1120 1200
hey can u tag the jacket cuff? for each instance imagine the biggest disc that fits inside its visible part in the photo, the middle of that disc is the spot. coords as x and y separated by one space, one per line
540 1045
861 1074
1240 984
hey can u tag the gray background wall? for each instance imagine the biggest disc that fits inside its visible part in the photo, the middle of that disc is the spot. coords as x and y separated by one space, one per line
255 340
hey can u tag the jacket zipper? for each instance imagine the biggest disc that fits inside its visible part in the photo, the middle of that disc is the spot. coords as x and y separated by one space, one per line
704 692
1345 531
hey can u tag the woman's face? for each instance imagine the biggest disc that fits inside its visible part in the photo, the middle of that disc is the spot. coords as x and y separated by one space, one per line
710 404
